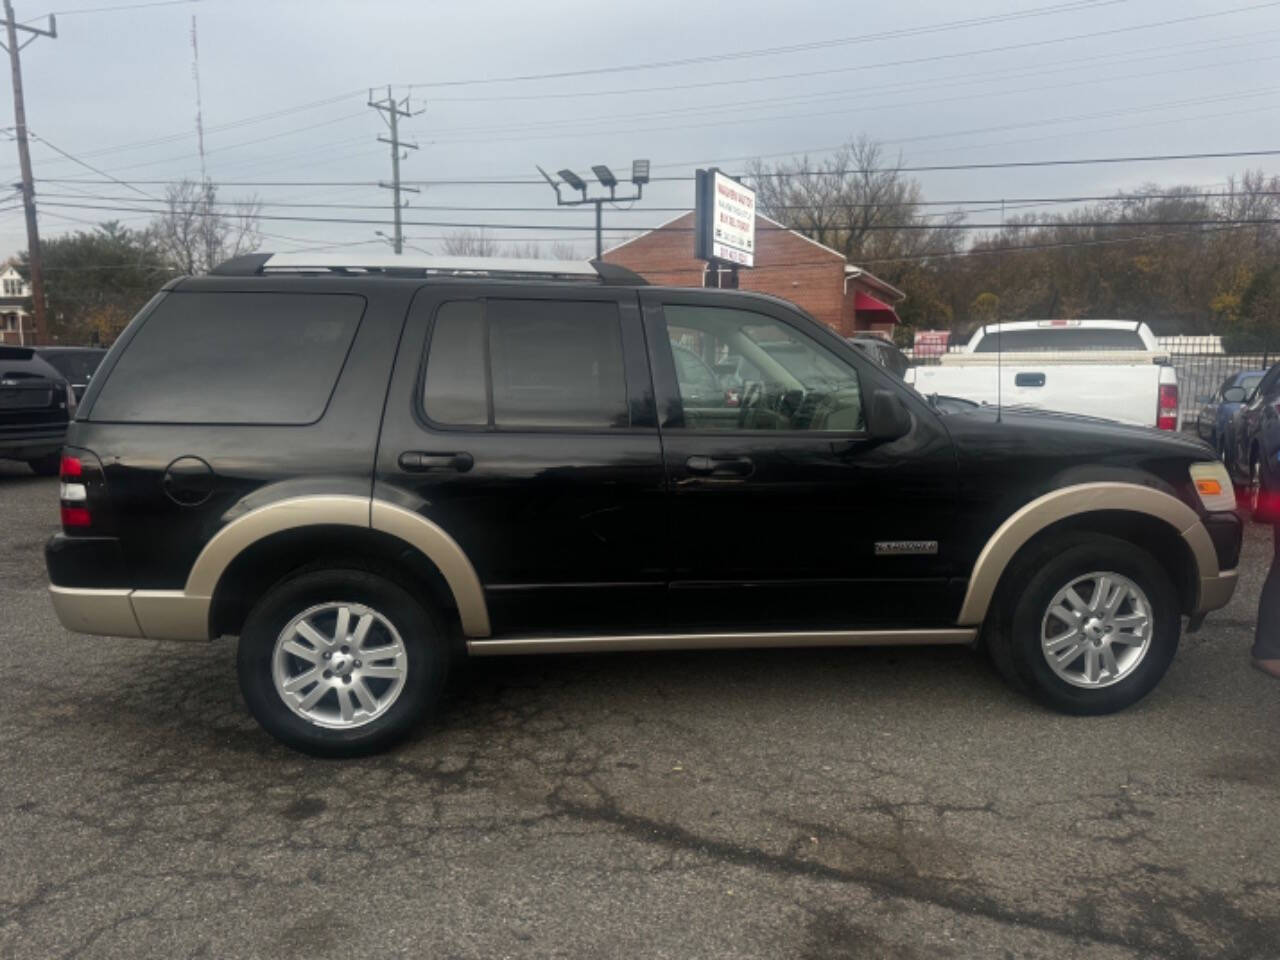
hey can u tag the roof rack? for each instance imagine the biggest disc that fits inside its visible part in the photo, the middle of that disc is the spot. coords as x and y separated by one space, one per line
506 268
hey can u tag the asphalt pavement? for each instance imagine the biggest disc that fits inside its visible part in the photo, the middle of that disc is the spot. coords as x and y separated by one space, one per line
828 803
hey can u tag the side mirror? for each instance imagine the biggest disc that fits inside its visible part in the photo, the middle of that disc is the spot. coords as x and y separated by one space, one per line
888 418
1233 395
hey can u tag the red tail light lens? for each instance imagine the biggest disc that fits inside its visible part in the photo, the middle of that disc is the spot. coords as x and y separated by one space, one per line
76 517
73 494
1167 407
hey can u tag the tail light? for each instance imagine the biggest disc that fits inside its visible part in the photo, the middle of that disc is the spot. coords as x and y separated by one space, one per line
73 494
1167 407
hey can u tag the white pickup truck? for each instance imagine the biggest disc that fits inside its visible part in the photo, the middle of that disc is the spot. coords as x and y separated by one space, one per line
1100 368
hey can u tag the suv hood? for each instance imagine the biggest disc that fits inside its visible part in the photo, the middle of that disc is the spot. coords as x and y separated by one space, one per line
1083 433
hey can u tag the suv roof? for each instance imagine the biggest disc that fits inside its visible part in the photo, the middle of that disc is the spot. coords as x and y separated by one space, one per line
259 264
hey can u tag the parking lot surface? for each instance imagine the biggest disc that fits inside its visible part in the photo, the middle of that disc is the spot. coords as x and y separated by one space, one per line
826 803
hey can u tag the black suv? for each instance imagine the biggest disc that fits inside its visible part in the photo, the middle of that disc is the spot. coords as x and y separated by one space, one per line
364 469
35 404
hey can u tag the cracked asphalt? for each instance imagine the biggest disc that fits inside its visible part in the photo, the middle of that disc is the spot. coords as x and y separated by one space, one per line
827 803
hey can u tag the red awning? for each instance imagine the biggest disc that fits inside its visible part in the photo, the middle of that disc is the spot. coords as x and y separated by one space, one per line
864 303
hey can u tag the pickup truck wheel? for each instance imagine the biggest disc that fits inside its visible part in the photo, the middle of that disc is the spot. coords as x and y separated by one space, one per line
1089 624
340 662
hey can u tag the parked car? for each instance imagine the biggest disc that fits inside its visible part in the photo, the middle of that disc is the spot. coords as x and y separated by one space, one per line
35 405
364 467
1254 438
883 351
1213 423
76 364
1099 368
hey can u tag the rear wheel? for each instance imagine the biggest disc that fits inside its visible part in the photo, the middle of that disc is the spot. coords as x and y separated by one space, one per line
1254 490
46 466
1088 624
340 662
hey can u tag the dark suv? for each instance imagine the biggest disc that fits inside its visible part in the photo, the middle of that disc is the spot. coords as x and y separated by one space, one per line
35 404
364 469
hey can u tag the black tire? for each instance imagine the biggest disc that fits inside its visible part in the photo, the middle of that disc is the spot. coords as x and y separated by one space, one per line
47 466
1020 606
426 649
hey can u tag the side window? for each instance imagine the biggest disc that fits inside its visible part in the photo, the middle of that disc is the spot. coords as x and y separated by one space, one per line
769 376
232 358
526 364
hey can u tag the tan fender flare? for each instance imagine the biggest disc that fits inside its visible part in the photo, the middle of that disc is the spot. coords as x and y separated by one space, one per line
1066 502
414 529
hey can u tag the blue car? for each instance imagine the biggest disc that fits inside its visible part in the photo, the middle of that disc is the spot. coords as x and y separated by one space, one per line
1214 420
1253 454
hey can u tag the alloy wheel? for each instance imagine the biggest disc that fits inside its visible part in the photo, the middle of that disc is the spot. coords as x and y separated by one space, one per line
1096 630
339 665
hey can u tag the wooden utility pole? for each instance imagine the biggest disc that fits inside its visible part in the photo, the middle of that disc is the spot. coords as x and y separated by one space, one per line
24 160
392 111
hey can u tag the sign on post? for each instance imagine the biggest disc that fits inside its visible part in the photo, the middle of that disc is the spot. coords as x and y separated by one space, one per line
725 231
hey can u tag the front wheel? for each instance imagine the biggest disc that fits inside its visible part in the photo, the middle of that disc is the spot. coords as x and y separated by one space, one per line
339 662
1088 624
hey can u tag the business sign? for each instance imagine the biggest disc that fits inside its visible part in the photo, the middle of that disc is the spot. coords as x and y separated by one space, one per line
725 230
931 343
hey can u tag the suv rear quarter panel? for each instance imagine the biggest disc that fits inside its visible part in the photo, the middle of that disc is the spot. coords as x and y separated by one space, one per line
252 465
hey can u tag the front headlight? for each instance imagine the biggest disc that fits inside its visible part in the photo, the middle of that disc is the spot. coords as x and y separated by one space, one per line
1213 485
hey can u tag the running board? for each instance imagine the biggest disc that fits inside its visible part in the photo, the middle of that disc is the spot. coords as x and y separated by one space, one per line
504 646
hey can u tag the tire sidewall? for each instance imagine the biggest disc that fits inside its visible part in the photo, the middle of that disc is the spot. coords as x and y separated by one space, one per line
424 647
1068 561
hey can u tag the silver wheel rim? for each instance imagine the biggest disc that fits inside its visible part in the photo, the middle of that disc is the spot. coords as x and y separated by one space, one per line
1096 630
339 665
1255 485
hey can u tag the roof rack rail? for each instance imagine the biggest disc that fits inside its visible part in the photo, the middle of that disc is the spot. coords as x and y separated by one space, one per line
259 264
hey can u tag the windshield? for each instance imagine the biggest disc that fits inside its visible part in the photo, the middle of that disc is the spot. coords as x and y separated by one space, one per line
76 365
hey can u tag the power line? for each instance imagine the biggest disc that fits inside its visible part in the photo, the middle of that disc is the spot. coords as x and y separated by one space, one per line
869 66
54 147
112 9
513 181
1083 224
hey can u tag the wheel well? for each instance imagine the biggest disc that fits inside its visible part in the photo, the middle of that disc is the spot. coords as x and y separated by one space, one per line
1165 544
266 562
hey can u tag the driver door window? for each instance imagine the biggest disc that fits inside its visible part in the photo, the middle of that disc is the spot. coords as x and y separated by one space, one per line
738 370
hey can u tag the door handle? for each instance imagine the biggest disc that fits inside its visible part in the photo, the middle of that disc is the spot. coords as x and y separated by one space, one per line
720 466
1028 380
418 461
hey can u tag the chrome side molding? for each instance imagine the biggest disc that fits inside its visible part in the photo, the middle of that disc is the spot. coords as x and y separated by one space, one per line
505 646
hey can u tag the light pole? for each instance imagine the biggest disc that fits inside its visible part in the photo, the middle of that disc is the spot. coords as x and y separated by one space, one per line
639 177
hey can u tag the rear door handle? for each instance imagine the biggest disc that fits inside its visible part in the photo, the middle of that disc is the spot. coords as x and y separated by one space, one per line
419 461
1028 380
720 466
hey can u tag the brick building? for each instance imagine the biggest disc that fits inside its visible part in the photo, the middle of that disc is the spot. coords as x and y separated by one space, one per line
788 265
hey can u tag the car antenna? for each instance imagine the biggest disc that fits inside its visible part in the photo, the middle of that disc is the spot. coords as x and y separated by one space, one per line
999 370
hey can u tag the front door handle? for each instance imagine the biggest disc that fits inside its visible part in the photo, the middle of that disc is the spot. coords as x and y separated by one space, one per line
420 461
1028 380
720 466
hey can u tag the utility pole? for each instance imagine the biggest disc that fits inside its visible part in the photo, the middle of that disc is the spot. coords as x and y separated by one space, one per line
24 160
391 111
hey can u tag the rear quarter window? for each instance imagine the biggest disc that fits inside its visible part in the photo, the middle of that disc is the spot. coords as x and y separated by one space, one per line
232 358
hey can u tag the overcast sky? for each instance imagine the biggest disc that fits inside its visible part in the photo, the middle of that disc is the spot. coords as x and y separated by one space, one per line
117 77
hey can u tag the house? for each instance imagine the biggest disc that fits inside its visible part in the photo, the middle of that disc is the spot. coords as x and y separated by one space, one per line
15 307
788 265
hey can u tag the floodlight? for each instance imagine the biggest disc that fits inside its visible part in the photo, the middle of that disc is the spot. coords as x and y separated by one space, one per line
573 180
639 172
605 176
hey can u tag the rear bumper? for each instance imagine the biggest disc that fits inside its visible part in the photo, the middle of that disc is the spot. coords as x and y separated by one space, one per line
30 444
160 614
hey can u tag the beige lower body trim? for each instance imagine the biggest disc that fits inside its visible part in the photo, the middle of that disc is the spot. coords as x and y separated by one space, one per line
708 641
171 614
1215 592
159 614
103 612
1057 505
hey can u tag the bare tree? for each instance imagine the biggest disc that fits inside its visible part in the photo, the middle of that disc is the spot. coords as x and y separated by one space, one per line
196 232
469 243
